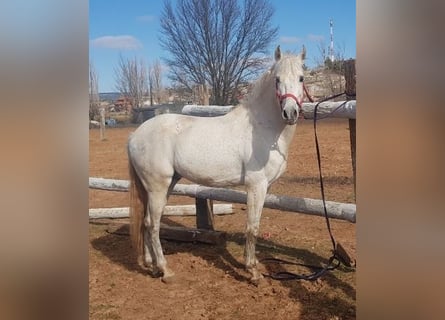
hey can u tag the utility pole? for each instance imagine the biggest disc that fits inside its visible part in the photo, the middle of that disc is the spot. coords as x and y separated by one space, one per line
331 47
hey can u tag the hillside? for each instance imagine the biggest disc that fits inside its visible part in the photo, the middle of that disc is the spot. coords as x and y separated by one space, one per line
322 83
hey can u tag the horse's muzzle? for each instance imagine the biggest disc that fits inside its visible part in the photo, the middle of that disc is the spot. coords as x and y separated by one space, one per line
291 122
290 115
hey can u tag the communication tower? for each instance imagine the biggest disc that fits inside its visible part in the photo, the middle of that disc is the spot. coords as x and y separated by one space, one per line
331 47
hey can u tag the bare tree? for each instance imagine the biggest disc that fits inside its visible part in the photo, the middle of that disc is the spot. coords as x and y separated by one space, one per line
320 60
93 92
340 51
333 70
132 79
155 80
216 43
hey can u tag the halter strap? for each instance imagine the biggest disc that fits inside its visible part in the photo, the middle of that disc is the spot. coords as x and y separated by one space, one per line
281 97
307 93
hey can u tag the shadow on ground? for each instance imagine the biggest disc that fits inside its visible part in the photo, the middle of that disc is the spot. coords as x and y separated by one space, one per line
316 304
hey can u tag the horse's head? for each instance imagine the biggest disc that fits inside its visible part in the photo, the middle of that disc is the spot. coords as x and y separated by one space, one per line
288 73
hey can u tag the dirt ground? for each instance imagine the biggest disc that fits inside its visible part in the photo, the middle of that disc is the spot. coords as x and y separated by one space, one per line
211 282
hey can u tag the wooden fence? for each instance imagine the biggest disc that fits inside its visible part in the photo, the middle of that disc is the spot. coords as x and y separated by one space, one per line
205 195
331 109
337 210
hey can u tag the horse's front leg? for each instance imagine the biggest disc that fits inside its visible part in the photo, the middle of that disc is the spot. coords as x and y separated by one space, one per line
255 202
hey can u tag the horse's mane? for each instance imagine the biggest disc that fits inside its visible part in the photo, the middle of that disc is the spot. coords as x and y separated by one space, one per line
267 76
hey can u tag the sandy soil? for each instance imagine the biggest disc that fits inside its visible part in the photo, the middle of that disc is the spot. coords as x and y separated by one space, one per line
211 282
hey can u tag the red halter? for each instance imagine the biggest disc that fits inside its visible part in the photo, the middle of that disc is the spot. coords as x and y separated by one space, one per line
281 97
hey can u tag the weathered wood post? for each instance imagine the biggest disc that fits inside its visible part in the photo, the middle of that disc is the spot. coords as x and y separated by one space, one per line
204 213
204 207
350 95
102 123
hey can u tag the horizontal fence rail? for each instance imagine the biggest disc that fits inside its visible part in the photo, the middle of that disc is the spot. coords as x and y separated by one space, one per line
328 109
336 210
205 111
178 210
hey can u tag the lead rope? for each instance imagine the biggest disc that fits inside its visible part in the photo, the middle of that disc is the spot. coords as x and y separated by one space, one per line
339 255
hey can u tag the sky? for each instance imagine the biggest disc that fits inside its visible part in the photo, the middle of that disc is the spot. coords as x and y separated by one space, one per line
132 28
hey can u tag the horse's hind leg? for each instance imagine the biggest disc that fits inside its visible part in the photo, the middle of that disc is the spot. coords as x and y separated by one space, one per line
148 248
156 203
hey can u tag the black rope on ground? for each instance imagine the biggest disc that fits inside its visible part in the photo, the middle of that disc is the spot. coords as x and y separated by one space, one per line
339 255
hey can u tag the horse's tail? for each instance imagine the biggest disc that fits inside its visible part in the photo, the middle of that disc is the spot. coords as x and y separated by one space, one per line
138 208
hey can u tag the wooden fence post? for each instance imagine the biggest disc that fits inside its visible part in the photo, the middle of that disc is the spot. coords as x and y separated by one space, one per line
102 124
204 213
204 207
350 95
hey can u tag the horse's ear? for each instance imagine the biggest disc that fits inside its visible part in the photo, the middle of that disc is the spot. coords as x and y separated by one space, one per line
277 53
303 53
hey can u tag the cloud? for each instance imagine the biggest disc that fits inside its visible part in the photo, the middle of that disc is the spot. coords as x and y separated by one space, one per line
146 18
124 42
289 40
315 37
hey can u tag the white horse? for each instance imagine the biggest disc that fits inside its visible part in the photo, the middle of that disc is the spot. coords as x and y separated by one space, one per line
247 146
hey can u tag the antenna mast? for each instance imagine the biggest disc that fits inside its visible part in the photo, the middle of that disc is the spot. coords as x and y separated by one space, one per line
331 47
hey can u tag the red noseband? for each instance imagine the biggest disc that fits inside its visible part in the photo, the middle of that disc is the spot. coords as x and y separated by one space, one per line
281 97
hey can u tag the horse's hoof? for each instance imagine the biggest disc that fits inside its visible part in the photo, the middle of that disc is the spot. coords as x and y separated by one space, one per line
256 282
168 279
155 272
143 263
256 279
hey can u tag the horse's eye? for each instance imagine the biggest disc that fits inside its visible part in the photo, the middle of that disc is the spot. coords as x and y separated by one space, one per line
277 80
301 78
